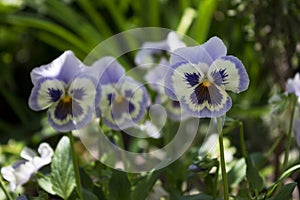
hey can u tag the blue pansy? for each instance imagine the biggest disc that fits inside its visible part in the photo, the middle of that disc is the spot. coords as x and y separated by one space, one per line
122 102
67 89
150 52
201 75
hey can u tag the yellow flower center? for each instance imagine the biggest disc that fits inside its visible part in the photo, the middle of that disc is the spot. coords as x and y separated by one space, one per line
67 99
119 99
206 83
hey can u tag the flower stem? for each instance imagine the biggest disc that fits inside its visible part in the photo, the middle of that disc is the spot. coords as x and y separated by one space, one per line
289 141
5 192
222 158
75 166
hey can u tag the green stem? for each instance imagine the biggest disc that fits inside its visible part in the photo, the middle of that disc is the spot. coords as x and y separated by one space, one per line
120 141
215 187
289 141
222 158
242 141
271 150
75 166
5 192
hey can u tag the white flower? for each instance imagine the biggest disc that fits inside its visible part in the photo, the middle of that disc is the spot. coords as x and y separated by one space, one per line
21 171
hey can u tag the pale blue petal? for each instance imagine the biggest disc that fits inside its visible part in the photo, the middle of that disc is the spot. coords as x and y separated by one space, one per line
63 68
108 70
293 85
46 92
174 42
147 51
156 76
206 53
230 72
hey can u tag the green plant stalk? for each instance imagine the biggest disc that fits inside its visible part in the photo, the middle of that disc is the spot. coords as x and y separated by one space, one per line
242 141
222 159
75 166
120 141
271 150
215 186
289 141
5 192
186 20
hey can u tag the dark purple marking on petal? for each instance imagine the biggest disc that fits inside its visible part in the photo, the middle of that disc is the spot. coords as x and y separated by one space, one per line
203 93
54 94
220 76
176 104
128 93
111 98
78 93
18 163
65 108
131 107
192 78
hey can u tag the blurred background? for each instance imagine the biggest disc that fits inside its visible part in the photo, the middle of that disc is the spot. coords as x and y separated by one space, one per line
265 35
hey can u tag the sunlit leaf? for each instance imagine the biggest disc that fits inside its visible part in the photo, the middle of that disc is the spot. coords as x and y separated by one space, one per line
62 171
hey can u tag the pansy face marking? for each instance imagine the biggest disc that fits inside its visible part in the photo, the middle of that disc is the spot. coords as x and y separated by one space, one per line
67 89
122 102
200 77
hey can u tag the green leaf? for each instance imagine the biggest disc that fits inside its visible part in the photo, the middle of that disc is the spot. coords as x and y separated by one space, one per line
285 192
119 186
144 186
282 177
88 195
62 171
45 183
237 172
99 193
253 176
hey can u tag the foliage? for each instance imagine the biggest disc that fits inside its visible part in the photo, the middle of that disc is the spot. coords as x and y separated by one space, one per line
263 151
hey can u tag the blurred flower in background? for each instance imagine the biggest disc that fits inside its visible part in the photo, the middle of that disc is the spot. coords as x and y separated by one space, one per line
21 171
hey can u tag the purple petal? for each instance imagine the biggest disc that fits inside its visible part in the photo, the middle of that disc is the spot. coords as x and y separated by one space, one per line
156 77
77 118
174 42
230 71
207 112
46 92
146 53
293 85
206 53
109 70
63 68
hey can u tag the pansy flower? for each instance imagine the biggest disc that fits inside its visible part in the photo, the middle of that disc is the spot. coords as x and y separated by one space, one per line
152 52
21 171
201 75
121 102
156 80
66 89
